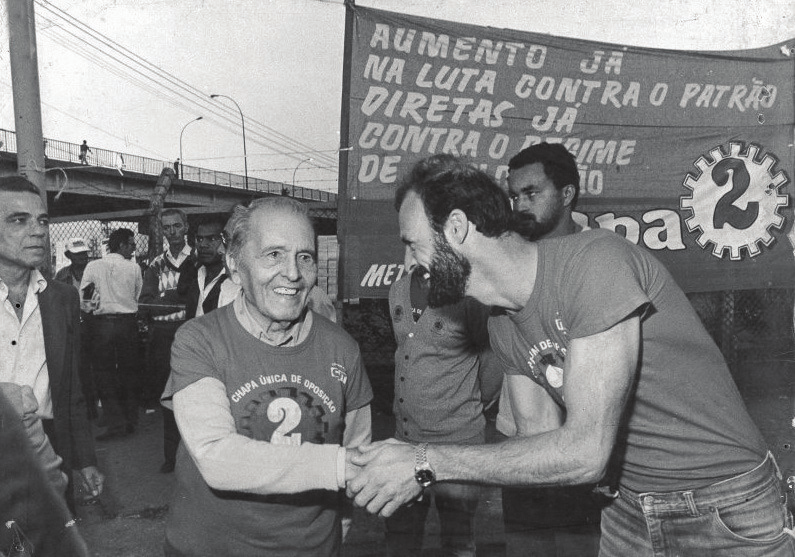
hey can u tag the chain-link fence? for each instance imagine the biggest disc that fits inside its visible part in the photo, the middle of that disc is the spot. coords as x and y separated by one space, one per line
95 234
749 324
746 324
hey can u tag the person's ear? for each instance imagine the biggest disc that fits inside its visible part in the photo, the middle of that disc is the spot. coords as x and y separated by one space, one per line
569 192
232 267
456 227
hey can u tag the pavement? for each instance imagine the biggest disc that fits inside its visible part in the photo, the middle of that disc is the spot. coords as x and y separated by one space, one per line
128 519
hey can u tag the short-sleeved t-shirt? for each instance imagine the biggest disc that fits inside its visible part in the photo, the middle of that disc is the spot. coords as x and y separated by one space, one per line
285 395
687 426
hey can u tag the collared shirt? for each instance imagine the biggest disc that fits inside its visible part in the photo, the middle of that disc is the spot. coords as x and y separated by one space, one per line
24 360
118 282
297 333
166 269
181 256
204 289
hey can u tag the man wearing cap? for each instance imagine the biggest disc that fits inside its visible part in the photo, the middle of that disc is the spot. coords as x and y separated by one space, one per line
76 251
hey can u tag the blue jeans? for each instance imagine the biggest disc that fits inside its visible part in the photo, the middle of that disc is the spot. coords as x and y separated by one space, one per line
456 505
744 516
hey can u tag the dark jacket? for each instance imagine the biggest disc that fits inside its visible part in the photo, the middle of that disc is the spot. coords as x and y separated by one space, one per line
60 317
188 291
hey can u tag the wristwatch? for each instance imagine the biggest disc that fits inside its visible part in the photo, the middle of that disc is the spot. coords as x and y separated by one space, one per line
423 472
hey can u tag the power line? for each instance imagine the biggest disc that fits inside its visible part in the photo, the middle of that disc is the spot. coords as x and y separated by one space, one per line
177 99
172 85
73 117
268 154
126 53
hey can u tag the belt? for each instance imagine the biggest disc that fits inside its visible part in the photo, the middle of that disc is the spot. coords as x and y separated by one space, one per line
115 315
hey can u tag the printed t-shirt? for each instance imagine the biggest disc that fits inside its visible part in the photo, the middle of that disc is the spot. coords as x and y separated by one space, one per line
283 395
687 425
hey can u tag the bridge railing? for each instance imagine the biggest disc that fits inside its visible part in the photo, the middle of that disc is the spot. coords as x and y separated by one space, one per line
65 151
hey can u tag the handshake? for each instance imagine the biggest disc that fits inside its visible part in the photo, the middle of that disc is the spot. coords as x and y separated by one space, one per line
380 476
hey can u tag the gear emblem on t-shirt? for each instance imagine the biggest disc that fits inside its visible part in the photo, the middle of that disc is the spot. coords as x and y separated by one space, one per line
285 416
735 200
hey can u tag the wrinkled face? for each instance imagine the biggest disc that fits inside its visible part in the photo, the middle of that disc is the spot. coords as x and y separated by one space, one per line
174 230
537 204
208 244
23 230
277 265
449 270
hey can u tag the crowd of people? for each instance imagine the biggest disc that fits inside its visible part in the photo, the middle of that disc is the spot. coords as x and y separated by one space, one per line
617 414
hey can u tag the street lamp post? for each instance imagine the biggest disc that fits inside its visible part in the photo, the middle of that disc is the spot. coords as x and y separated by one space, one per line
181 163
296 170
243 125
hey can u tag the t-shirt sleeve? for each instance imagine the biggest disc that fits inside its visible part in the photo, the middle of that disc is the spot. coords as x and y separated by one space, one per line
601 286
358 391
191 359
500 335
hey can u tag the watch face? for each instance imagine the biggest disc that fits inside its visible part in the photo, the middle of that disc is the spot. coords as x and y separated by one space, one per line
424 476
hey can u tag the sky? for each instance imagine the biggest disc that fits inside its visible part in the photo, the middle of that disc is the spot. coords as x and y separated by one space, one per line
132 75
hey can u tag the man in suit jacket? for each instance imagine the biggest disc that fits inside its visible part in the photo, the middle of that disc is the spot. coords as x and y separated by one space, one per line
40 330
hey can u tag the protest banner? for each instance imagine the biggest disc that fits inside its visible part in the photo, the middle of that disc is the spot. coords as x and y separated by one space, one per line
688 154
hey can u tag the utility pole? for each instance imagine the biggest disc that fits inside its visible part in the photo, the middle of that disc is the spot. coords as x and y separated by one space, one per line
164 182
25 86
24 63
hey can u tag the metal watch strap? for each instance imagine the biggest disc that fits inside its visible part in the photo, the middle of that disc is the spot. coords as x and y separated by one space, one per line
420 454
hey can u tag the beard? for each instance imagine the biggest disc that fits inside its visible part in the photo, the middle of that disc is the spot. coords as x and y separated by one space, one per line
449 274
531 227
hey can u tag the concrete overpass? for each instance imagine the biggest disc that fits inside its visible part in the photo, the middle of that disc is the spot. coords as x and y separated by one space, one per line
116 186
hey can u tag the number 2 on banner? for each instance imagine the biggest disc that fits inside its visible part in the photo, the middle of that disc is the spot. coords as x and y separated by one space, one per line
286 411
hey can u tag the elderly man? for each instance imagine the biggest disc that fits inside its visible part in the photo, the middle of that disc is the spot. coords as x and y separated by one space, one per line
267 396
40 330
601 326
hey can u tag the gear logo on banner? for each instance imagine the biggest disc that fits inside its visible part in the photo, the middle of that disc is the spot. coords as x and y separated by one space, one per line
735 200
